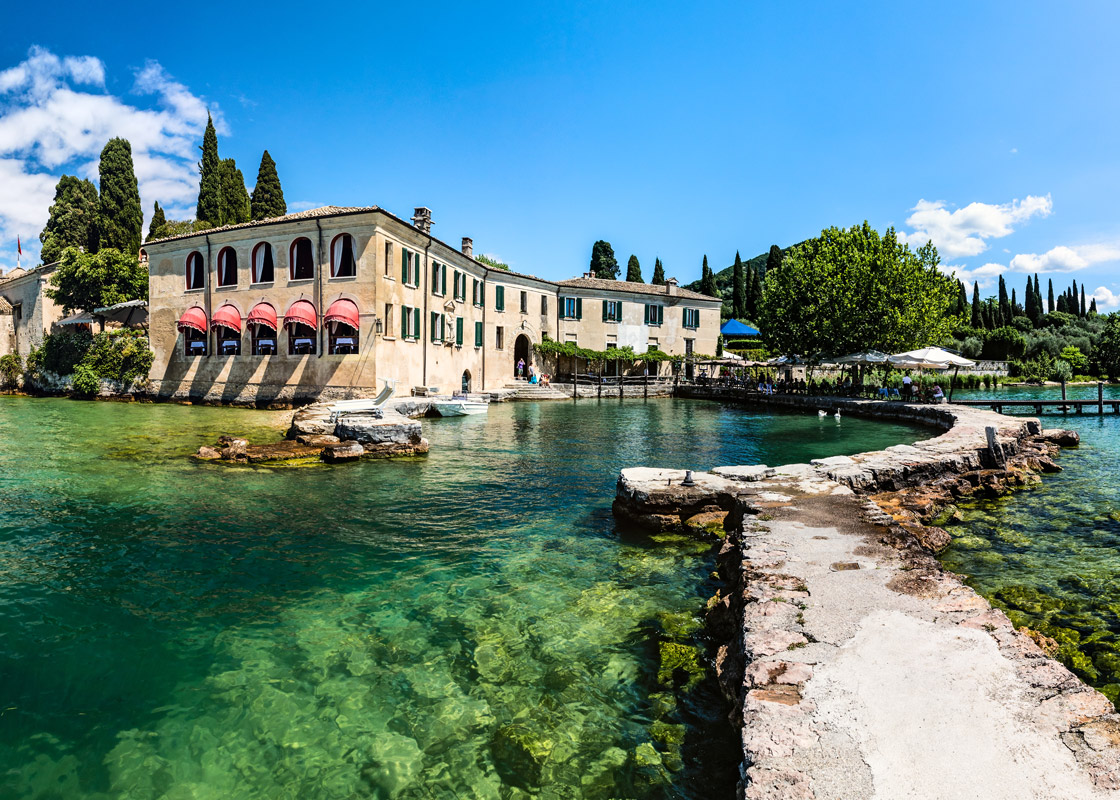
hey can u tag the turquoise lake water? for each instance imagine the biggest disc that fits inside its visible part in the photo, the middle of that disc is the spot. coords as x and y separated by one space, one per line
1050 555
465 625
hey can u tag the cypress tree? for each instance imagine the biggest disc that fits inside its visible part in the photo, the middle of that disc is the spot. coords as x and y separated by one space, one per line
977 315
1004 304
1039 308
1084 310
210 179
1050 296
754 295
962 300
158 223
773 259
738 289
603 263
235 199
708 280
120 217
1063 303
1093 306
658 273
1015 307
1071 303
268 197
73 219
634 270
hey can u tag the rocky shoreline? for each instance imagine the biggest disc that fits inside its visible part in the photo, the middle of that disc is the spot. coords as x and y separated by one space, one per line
855 665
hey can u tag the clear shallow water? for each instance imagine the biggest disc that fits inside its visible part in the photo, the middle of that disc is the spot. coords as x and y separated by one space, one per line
1050 556
468 624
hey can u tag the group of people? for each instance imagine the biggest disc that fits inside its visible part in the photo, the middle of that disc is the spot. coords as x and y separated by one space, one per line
542 379
764 383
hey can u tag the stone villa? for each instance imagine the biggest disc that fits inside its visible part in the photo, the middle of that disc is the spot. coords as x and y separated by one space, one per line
326 302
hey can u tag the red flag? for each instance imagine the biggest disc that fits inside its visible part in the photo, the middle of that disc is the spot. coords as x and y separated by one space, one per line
19 249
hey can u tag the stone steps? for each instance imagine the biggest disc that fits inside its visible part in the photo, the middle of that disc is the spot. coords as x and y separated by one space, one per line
528 391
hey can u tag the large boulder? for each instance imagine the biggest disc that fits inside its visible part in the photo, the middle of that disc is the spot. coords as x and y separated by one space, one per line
343 452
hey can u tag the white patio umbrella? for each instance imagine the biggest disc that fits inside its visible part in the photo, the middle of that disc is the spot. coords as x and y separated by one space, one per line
866 358
932 358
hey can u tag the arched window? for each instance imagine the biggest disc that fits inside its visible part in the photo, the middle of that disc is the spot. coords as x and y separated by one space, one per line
196 272
302 325
226 324
227 267
263 270
301 260
343 264
262 325
342 327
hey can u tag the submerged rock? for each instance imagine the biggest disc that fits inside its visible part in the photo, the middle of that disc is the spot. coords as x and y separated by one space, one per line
342 452
519 755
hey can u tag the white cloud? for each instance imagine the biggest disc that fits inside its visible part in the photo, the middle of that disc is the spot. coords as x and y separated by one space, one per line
1065 259
963 232
987 275
55 118
1106 300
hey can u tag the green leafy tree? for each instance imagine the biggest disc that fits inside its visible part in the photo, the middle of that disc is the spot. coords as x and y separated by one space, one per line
634 270
708 280
73 219
1005 314
1084 310
754 295
268 197
773 258
1077 360
235 198
1093 307
962 301
1050 296
854 289
1108 346
491 262
85 281
738 289
11 367
210 178
158 223
603 263
719 346
977 308
658 273
120 219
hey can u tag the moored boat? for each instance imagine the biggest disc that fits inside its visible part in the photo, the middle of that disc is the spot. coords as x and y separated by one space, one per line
460 408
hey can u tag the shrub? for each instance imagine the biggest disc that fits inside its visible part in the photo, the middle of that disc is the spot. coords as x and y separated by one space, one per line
85 381
120 355
63 350
1077 361
1061 371
10 369
33 367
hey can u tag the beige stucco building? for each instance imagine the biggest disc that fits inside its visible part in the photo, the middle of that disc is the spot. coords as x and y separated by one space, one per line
26 313
331 302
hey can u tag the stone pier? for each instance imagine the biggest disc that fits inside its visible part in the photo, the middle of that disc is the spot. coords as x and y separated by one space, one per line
855 666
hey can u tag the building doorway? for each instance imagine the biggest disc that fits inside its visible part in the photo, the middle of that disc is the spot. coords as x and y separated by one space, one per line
466 382
521 353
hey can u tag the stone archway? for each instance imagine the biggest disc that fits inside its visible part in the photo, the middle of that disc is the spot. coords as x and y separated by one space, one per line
522 351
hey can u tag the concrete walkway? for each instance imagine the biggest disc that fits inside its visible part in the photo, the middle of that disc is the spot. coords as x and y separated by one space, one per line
868 677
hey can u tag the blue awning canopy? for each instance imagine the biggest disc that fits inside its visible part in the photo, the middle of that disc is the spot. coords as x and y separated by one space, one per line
734 327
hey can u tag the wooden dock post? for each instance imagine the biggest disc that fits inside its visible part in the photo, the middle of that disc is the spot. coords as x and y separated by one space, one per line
1100 398
1065 408
994 447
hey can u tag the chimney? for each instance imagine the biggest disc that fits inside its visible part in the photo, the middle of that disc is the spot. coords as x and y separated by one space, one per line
422 219
671 287
468 247
589 274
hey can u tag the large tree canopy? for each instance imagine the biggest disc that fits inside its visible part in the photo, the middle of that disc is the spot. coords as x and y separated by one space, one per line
603 262
634 270
235 199
73 219
120 218
658 272
268 197
209 207
708 280
850 290
85 281
738 289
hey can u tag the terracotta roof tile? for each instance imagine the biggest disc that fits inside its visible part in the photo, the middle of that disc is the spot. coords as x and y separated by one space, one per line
325 211
604 284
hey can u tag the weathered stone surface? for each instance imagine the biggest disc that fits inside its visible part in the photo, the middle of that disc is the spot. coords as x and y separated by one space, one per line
1061 437
746 474
389 429
208 453
317 439
707 523
343 452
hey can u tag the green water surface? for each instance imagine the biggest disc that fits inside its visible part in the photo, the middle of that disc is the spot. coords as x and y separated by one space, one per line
465 625
1050 555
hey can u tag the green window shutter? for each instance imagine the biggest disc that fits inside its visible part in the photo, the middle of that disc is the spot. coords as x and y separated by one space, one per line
646 319
606 311
443 280
458 331
416 323
433 331
500 298
406 264
579 308
660 314
478 334
404 321
618 311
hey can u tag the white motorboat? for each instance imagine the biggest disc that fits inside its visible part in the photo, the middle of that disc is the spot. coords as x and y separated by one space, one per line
460 408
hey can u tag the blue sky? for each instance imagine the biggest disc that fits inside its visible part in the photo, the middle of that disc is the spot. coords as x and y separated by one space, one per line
671 130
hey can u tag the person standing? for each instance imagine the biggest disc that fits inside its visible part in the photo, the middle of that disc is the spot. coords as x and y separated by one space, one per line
520 367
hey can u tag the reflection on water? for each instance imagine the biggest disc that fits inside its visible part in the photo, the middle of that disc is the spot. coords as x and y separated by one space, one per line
463 625
1050 556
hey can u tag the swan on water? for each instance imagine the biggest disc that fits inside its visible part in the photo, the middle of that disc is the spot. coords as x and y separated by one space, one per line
822 413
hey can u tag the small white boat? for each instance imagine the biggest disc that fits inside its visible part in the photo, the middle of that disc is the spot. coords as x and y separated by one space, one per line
460 408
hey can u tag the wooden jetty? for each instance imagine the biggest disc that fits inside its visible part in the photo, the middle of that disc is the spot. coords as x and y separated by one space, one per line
1063 405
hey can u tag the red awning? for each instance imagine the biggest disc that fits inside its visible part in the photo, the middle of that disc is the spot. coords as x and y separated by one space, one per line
194 318
228 317
344 311
263 314
303 312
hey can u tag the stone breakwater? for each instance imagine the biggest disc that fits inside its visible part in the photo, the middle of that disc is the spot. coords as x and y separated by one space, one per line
855 665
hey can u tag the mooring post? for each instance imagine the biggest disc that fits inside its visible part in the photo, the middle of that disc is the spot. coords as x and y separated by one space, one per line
994 447
1100 398
1065 408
